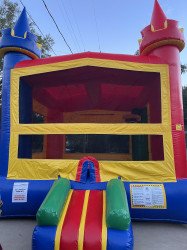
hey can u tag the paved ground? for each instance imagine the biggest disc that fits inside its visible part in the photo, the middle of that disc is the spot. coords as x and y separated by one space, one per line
16 235
160 236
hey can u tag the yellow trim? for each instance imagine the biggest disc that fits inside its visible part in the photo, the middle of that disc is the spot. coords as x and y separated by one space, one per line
104 228
162 171
179 127
61 222
140 41
83 220
91 128
24 51
165 27
178 43
13 34
39 45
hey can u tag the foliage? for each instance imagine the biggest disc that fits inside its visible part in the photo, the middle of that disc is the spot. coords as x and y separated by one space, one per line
8 13
47 42
137 53
184 95
183 68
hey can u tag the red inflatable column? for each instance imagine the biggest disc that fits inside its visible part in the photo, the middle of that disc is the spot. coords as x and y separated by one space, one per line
163 38
171 55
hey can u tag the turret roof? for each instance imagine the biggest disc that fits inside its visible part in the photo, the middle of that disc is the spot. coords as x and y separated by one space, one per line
158 16
22 24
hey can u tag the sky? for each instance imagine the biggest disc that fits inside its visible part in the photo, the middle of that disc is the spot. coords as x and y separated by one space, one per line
111 26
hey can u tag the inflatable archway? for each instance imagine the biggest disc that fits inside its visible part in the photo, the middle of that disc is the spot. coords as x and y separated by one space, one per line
92 140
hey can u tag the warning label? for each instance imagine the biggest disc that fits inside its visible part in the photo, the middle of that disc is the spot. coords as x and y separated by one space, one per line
150 196
20 190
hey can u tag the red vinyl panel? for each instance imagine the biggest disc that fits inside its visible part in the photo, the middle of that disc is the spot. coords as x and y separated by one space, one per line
70 229
106 56
93 225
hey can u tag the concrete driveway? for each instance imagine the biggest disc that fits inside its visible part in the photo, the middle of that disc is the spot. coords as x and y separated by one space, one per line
17 234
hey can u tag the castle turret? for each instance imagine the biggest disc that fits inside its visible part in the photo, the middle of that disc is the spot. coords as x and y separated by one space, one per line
16 45
163 38
20 39
161 32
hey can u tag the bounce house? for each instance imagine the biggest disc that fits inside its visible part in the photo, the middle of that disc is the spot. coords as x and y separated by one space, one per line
91 141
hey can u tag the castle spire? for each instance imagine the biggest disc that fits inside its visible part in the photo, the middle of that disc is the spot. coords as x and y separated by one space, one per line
158 17
22 24
160 32
20 39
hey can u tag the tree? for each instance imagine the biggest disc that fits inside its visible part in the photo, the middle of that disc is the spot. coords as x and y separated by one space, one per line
184 95
183 68
9 11
137 53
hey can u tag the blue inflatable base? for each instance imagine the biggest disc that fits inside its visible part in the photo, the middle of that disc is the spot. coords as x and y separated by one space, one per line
176 199
44 238
37 190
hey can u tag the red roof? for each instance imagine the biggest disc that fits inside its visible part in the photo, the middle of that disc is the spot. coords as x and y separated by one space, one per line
106 56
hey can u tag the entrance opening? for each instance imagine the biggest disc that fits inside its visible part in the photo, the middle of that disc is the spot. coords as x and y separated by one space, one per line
88 175
88 170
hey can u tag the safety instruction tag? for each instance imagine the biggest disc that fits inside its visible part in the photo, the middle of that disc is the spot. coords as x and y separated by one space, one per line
19 192
148 196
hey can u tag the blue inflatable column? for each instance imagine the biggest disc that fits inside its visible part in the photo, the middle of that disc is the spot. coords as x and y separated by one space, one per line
16 45
10 59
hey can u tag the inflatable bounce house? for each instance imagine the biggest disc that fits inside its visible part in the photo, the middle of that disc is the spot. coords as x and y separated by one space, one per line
91 141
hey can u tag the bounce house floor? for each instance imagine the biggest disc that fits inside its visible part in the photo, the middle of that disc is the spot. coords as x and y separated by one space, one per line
17 234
